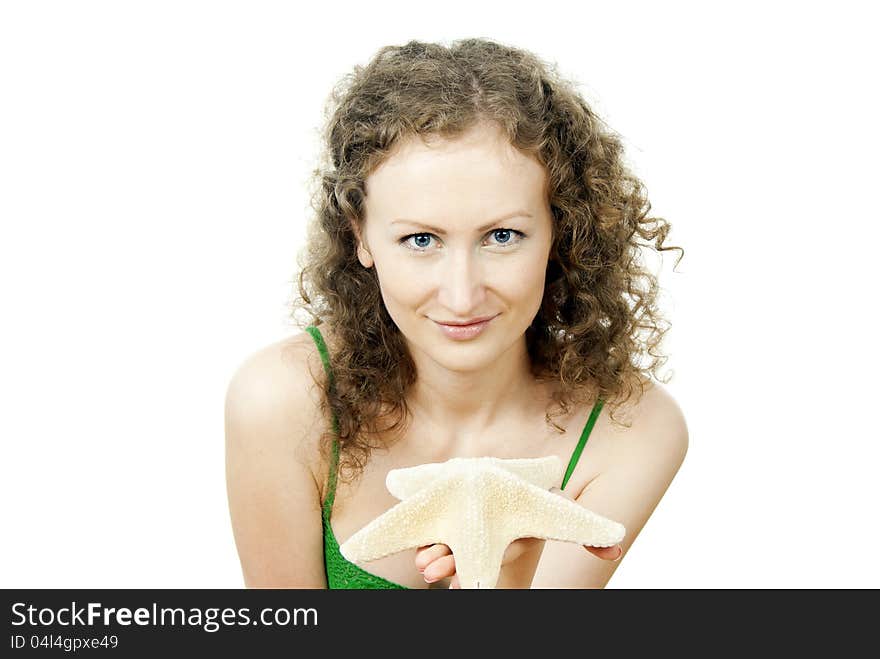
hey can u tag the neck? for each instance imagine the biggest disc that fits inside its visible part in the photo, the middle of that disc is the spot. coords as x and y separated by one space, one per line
462 405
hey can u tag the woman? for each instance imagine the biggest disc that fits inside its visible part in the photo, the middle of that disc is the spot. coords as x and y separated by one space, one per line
463 183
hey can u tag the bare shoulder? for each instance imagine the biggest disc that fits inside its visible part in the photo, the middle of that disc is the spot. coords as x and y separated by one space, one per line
655 434
277 386
642 460
658 424
274 477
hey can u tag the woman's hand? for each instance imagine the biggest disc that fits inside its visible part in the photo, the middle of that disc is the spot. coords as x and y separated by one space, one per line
436 562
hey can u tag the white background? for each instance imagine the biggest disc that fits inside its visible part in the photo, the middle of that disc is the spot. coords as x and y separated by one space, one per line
154 158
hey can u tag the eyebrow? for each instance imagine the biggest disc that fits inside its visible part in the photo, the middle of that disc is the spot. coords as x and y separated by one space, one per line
441 232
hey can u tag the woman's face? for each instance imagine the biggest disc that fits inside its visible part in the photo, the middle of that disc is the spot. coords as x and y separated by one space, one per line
459 230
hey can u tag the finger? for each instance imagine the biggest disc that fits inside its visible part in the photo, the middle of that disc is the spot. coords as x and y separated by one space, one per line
429 553
439 569
454 583
612 553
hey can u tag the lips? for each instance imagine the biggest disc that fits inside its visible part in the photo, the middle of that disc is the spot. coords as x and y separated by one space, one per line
464 323
465 332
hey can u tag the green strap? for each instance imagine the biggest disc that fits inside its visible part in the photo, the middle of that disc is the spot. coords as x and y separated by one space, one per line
583 441
325 359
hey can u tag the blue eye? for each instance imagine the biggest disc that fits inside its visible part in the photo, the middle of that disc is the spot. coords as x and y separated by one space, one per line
506 242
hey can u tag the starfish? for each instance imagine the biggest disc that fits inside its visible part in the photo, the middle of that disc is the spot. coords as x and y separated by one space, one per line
477 507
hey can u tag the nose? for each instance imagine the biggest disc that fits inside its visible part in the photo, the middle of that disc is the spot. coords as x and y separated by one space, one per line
462 283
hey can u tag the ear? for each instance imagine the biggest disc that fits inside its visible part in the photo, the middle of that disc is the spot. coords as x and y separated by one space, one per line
363 254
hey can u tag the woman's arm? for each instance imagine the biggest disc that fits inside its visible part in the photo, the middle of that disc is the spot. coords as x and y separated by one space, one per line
644 460
274 498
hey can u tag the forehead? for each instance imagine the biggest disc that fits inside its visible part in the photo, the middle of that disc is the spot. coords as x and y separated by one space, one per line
472 173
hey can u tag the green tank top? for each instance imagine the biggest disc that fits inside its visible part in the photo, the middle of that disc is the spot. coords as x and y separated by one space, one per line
341 573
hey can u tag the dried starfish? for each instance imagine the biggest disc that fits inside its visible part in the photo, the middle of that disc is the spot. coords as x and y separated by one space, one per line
478 506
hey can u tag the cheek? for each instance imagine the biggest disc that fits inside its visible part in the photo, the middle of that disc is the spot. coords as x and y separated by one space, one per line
402 288
529 280
401 292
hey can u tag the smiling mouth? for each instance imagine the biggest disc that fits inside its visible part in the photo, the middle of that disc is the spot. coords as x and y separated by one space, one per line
466 324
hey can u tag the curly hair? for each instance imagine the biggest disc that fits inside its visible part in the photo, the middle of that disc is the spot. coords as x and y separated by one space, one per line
598 319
